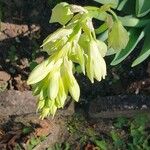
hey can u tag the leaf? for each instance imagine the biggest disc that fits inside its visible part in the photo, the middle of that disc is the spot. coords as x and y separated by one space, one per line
101 29
145 53
142 7
103 37
101 144
27 130
122 4
113 2
131 21
135 35
127 6
61 13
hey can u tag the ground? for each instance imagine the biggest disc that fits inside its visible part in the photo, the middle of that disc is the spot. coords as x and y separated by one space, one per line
24 25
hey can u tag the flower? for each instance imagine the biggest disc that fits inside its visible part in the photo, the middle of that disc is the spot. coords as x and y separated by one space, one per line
55 41
96 66
118 36
69 79
42 70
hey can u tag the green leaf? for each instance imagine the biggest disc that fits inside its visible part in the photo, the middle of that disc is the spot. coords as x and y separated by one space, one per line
145 53
27 130
127 6
101 144
103 37
113 2
61 13
101 29
122 4
135 35
131 21
142 7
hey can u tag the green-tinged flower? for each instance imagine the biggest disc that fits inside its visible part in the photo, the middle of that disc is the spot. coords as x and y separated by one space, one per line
58 34
118 36
40 104
78 9
52 47
49 108
102 47
69 79
53 85
88 27
96 66
61 13
43 93
51 105
45 112
77 56
62 94
41 71
84 41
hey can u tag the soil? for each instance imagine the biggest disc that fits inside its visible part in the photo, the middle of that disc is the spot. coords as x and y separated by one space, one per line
24 25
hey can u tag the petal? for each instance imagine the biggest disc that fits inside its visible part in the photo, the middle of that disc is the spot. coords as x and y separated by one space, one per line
40 71
53 86
74 89
89 70
62 95
58 34
102 47
45 112
40 104
71 82
118 37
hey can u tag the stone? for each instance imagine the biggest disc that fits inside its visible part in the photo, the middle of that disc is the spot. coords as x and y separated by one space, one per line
18 109
4 76
117 106
14 102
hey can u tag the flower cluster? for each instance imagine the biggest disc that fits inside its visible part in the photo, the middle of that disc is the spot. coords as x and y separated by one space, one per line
73 44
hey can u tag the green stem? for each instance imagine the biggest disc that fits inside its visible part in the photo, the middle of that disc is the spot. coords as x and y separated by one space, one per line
114 14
